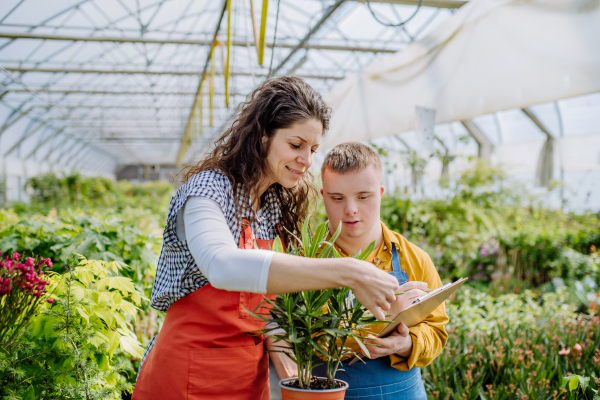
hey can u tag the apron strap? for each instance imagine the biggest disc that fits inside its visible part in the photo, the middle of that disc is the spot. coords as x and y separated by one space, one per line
246 237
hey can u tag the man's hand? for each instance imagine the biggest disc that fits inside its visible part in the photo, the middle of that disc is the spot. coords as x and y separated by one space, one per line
411 291
398 342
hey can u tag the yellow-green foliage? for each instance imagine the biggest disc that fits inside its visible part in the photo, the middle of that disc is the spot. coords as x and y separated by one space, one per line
79 345
106 301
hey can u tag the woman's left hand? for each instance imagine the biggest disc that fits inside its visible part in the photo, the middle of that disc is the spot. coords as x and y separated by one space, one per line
398 342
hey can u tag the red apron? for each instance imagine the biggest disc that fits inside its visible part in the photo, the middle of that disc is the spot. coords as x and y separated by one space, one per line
204 350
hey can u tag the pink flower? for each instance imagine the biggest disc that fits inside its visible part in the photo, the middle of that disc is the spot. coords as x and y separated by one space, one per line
29 262
9 265
48 263
7 281
564 352
16 256
50 301
577 347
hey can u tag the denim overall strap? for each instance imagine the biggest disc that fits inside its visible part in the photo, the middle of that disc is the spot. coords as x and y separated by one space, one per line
397 268
377 379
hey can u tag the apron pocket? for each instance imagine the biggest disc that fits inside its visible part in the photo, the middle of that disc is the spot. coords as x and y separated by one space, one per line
223 373
251 301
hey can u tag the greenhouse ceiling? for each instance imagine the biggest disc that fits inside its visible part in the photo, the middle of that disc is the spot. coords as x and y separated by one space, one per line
96 84
116 79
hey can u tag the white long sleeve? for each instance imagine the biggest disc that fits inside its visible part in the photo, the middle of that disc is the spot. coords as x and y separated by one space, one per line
211 243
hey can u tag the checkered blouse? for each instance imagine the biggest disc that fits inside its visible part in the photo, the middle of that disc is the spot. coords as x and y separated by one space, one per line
177 274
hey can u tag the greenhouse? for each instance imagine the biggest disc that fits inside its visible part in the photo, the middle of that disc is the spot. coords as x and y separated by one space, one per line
469 128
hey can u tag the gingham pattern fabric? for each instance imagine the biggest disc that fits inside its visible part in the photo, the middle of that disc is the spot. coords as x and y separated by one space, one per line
177 274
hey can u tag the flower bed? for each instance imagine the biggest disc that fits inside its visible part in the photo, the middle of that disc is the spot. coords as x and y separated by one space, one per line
514 347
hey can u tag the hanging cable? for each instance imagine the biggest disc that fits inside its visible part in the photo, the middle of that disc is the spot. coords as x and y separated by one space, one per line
211 87
227 65
274 38
394 25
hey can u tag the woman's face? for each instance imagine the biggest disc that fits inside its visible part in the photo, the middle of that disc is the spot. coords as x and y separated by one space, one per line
292 150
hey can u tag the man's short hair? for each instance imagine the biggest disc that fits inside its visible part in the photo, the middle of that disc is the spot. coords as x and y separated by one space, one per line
350 156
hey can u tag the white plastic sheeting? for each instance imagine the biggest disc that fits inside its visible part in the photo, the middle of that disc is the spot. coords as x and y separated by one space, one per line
492 55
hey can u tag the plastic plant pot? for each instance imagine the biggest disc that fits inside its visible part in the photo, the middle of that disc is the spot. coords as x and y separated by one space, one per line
289 393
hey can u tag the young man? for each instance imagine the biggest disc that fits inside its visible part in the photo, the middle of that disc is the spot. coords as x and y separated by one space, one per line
352 191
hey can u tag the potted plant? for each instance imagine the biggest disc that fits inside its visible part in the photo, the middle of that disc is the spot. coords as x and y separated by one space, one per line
317 324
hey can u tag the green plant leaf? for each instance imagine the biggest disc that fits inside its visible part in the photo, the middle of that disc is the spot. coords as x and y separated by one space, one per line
584 382
97 339
277 246
336 234
83 314
29 393
573 383
367 251
102 361
320 234
69 363
130 345
306 238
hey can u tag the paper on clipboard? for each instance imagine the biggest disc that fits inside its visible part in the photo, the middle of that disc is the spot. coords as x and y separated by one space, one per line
417 312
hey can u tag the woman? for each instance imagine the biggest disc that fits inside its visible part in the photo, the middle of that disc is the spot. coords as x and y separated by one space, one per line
253 186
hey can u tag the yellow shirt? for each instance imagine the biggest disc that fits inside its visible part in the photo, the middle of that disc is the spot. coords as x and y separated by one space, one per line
429 337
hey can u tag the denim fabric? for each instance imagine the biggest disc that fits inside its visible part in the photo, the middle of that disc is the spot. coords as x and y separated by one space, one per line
377 379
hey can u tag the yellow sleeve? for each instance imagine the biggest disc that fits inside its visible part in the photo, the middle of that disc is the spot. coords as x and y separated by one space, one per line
429 337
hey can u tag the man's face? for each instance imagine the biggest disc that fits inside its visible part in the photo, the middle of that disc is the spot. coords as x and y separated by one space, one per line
354 198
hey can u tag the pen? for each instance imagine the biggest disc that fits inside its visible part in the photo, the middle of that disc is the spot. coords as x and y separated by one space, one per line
433 292
425 290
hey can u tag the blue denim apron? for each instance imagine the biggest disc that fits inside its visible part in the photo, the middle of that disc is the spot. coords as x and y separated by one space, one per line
377 379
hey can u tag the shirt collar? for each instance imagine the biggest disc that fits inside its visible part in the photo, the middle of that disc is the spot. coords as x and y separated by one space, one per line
389 238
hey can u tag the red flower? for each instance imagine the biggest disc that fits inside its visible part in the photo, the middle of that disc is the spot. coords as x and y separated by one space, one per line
50 301
16 256
29 262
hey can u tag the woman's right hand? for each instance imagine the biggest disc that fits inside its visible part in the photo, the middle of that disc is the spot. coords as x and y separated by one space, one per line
411 291
374 288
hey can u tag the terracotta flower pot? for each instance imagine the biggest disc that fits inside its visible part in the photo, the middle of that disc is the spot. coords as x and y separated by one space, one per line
289 393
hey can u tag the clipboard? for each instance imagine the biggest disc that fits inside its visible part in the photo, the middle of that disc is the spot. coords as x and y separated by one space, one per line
420 309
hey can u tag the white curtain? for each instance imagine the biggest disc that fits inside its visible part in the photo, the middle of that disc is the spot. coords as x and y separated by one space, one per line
491 55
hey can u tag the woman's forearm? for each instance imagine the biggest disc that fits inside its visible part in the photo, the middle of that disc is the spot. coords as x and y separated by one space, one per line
374 288
289 273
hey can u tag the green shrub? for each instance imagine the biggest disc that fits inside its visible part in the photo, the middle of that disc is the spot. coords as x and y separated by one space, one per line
513 347
76 346
73 191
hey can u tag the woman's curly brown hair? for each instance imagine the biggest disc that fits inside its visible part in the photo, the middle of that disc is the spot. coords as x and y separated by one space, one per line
241 155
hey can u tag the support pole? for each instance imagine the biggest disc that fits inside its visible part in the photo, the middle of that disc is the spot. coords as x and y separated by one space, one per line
312 31
25 137
14 120
185 140
65 153
485 146
40 36
43 142
545 166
